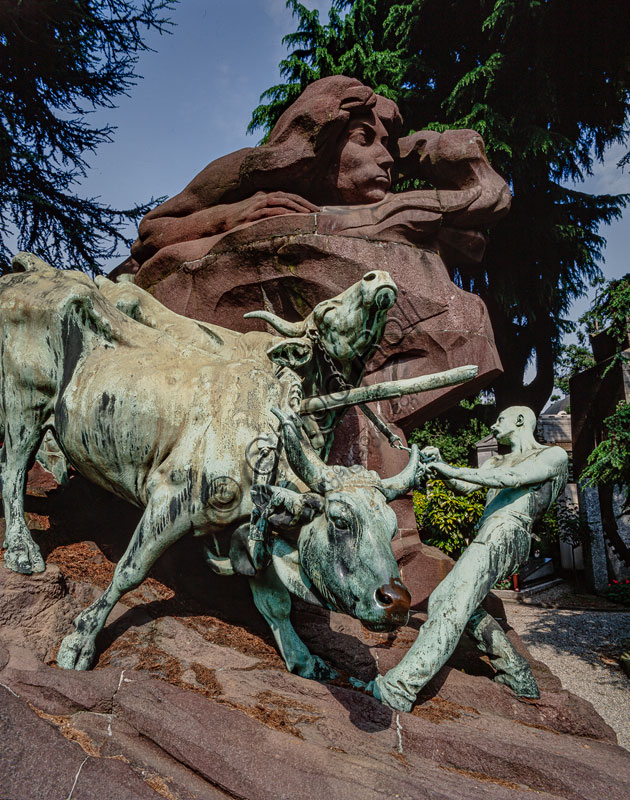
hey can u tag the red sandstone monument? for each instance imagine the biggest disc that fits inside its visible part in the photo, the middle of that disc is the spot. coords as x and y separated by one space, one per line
285 225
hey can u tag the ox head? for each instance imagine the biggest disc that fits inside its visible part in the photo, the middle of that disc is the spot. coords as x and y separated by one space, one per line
344 528
348 326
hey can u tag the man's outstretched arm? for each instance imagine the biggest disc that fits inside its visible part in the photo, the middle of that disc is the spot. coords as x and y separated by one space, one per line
539 467
431 456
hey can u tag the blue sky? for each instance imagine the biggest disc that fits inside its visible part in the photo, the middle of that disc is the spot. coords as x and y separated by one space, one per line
195 101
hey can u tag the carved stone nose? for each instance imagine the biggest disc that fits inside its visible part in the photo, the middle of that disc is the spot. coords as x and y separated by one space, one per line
394 597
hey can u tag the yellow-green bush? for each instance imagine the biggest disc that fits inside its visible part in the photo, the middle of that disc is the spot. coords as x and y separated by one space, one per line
447 520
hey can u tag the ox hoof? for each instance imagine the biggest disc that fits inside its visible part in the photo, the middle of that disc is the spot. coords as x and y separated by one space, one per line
317 670
76 652
24 558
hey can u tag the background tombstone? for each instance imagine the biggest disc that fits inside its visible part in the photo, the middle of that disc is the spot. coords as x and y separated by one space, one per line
595 394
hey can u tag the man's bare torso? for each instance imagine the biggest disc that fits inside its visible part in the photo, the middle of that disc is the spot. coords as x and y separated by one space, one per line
530 500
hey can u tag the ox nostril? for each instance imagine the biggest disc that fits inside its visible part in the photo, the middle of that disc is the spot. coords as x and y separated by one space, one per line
394 597
382 598
370 276
385 299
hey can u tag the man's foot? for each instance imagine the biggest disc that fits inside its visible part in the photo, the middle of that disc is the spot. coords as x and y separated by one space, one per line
518 676
523 688
383 691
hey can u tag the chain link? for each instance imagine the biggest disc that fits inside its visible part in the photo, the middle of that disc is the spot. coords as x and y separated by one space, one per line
395 441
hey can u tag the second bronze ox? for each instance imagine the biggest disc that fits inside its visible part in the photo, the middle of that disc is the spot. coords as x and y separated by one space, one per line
202 427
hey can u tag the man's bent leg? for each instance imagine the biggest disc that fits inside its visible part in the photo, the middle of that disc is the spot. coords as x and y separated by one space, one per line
450 607
512 669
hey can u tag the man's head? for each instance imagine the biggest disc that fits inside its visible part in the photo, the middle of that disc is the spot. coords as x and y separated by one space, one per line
361 174
515 422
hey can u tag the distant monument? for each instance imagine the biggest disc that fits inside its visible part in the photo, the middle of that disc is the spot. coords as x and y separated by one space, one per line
285 225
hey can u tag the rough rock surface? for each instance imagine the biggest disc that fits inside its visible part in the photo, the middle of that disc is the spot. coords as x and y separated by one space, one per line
189 698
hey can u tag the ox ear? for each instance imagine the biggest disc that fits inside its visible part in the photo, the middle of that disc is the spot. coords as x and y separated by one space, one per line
286 511
293 353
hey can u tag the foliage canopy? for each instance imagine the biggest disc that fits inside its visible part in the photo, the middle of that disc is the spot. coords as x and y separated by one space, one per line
610 314
546 85
571 359
609 463
59 60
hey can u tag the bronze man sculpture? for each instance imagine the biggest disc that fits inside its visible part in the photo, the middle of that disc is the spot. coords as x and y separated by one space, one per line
523 484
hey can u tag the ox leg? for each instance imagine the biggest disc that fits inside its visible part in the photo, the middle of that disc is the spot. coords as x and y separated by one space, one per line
22 554
274 602
154 534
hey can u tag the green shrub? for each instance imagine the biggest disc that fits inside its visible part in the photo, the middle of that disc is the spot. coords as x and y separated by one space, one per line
609 463
618 592
446 520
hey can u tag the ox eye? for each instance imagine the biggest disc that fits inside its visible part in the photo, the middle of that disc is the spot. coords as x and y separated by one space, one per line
341 523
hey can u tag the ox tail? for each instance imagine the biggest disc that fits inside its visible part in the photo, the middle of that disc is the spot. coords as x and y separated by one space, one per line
29 262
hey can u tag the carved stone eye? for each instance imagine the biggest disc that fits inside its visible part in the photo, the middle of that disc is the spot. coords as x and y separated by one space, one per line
341 523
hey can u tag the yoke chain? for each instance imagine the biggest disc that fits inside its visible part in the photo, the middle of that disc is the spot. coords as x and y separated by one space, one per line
395 441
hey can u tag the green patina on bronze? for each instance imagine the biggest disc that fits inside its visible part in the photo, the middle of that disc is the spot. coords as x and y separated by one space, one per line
201 426
522 485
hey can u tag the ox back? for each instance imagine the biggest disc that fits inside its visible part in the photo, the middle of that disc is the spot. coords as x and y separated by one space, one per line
128 405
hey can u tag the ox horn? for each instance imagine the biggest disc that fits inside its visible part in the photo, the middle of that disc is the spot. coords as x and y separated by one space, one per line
304 461
292 329
400 484
388 389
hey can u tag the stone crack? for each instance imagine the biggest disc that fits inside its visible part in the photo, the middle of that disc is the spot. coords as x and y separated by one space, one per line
76 778
111 714
399 734
9 689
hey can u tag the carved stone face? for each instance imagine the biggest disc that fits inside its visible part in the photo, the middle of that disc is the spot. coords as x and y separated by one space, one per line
363 171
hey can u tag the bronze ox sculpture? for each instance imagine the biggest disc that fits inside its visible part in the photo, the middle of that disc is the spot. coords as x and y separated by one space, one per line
182 419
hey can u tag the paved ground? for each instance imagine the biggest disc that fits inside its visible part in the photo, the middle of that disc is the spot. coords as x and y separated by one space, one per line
581 648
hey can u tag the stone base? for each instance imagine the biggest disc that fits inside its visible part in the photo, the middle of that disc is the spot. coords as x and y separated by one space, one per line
189 698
